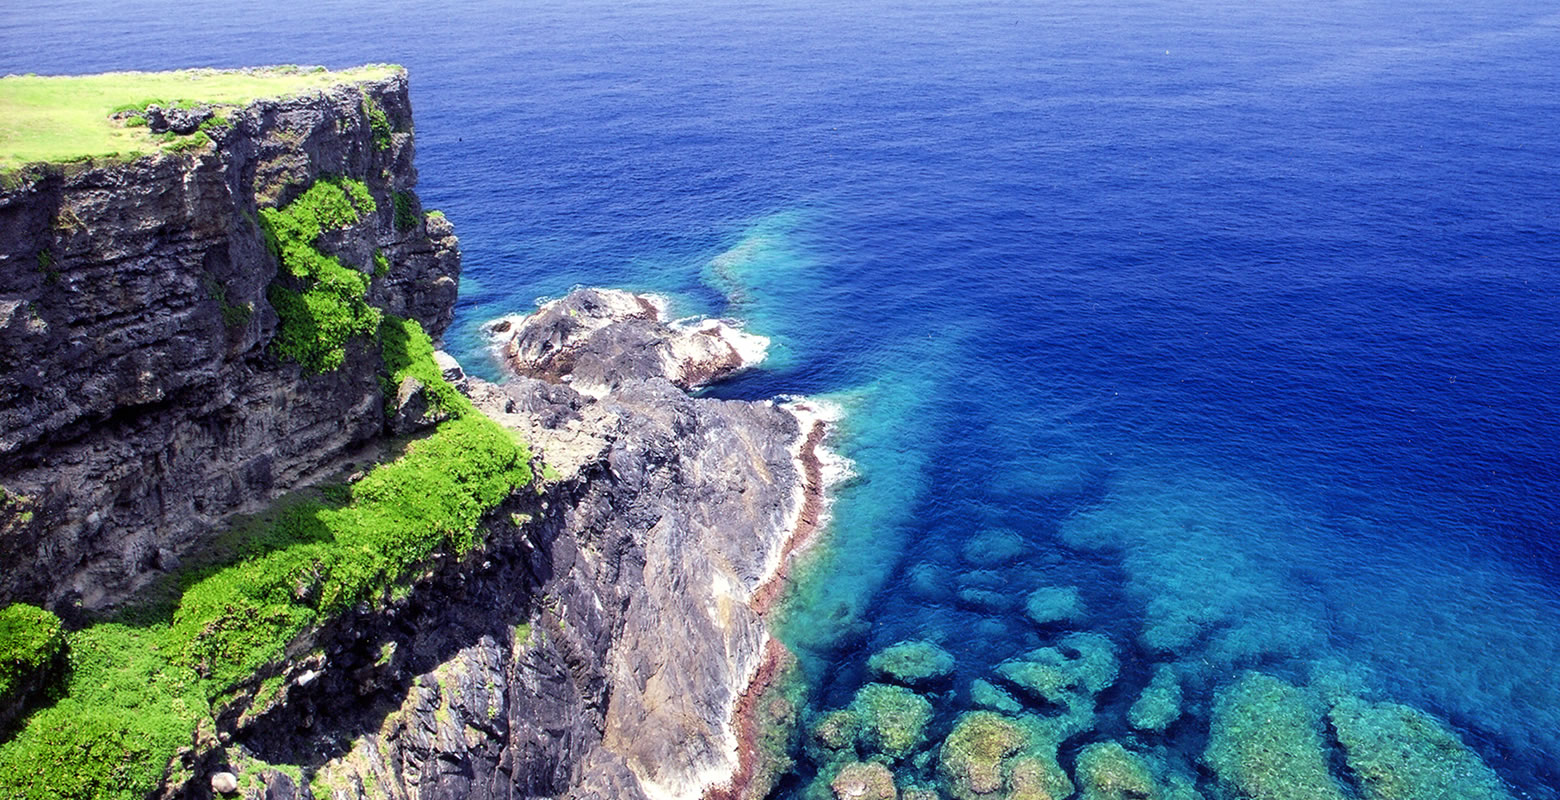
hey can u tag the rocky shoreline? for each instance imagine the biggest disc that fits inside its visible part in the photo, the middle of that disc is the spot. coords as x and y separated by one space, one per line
618 337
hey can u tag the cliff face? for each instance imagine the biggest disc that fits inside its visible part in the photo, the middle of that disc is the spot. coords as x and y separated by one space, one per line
140 403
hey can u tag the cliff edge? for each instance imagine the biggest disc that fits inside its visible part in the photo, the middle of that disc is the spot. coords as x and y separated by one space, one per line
142 400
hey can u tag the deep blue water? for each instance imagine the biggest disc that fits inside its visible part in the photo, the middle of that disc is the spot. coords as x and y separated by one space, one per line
1241 316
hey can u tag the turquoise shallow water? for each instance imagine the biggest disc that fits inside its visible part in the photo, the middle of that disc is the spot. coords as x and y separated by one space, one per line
1239 318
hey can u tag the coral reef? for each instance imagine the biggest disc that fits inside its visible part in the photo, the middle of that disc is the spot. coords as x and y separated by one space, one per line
912 663
1265 742
1049 605
1108 771
1160 703
1400 753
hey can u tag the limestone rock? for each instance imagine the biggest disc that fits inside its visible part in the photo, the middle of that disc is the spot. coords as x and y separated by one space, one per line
224 783
600 339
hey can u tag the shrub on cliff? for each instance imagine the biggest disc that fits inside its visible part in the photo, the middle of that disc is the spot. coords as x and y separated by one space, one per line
321 302
30 638
138 691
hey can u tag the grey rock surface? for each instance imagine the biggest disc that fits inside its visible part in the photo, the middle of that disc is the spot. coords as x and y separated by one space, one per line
140 406
600 339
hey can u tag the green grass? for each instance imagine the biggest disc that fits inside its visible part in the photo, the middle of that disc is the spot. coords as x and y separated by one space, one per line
142 685
325 302
69 118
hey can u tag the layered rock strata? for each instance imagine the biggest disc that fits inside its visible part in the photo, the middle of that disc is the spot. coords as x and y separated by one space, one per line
140 404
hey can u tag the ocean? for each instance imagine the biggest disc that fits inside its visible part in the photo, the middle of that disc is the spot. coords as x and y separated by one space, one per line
1240 319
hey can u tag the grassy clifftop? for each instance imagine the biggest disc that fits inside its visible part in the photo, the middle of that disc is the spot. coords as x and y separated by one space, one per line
72 117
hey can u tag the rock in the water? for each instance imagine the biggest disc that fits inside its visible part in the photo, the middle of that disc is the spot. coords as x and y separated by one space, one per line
1049 605
864 781
600 339
984 694
973 753
1081 662
1108 771
994 548
912 664
893 719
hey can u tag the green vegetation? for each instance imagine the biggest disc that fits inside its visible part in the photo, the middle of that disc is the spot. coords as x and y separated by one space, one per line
1265 742
46 266
18 507
330 306
30 638
405 211
381 264
233 315
408 353
68 118
378 123
141 686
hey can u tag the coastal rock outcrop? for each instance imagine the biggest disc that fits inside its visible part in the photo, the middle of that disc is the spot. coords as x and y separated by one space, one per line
141 405
597 339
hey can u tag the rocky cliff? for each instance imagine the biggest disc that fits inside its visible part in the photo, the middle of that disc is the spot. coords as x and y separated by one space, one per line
599 643
599 647
141 405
